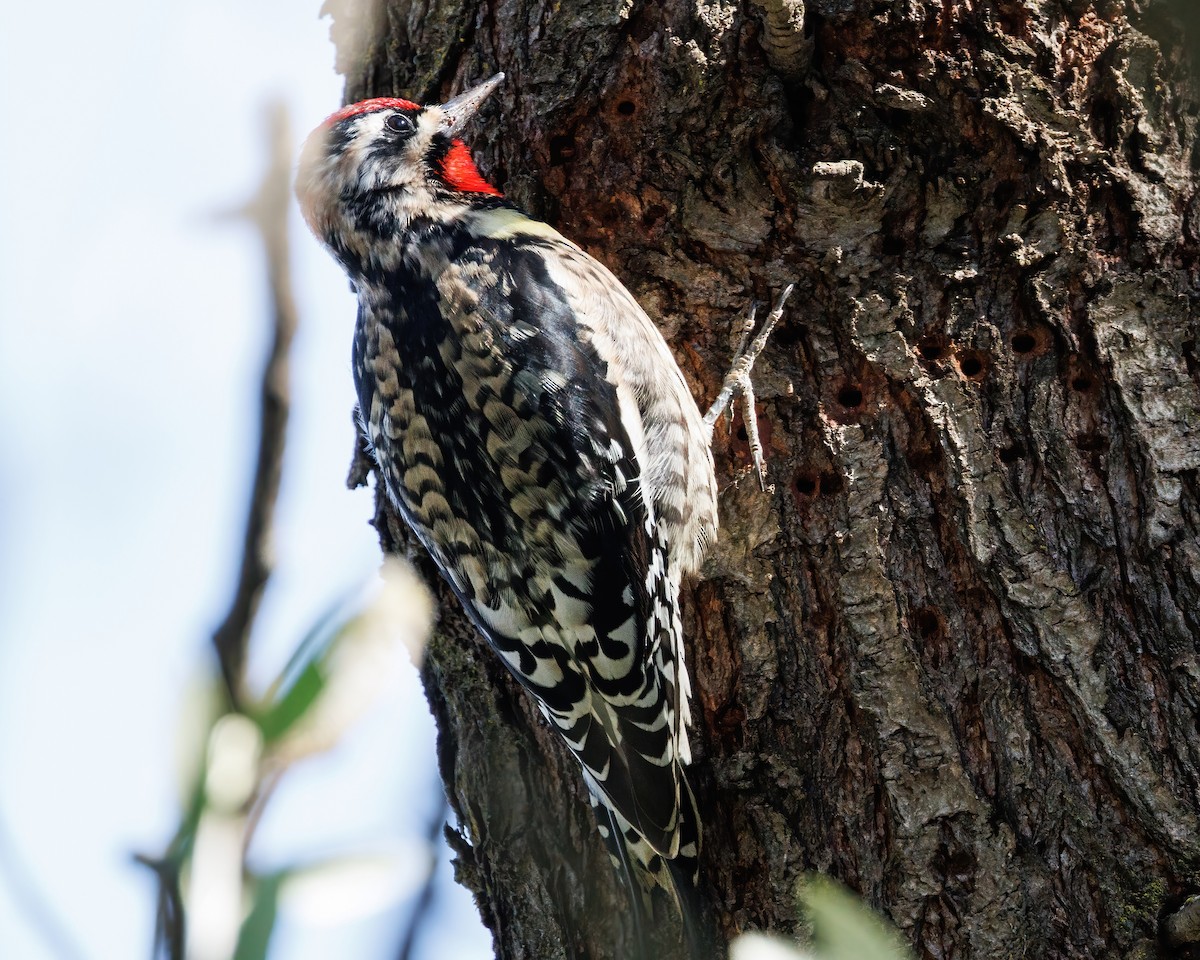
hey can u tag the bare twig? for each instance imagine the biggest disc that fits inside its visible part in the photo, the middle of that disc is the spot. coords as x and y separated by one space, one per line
423 907
268 211
169 919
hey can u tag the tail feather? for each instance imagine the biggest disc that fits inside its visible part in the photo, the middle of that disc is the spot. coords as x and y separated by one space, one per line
644 871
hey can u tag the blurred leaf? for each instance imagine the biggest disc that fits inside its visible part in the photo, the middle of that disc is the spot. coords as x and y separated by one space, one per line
234 753
302 677
337 672
845 929
255 935
336 676
203 703
308 650
213 886
761 946
306 687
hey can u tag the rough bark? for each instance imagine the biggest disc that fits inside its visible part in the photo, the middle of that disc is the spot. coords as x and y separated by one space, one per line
952 659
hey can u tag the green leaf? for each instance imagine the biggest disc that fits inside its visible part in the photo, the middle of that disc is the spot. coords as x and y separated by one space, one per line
255 935
339 669
312 646
843 928
279 717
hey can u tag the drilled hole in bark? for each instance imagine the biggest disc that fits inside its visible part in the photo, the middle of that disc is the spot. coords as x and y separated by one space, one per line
1091 442
562 150
1082 383
807 483
1012 453
931 348
626 108
739 438
973 365
850 397
1024 342
653 214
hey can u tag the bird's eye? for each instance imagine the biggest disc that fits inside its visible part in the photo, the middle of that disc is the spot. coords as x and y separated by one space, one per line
399 123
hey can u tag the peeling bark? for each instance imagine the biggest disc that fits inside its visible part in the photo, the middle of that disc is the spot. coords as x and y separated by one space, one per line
953 658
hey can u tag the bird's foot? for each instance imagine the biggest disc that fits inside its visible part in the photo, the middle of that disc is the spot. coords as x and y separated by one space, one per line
738 381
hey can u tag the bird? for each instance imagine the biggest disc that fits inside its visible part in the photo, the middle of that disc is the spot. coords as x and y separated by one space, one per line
532 427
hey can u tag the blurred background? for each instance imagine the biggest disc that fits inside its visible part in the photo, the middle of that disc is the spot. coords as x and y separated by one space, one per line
133 325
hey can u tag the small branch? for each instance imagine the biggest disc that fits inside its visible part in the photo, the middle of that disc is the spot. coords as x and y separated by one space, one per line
169 917
423 907
268 211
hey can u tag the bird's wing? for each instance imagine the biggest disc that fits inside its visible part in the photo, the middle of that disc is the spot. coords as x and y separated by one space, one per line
517 462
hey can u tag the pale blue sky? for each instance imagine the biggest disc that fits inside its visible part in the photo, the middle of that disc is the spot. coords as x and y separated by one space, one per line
132 325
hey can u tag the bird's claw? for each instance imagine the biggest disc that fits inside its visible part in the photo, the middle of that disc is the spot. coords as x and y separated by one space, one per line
738 381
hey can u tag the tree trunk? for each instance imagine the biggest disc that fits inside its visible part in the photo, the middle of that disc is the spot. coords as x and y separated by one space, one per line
952 657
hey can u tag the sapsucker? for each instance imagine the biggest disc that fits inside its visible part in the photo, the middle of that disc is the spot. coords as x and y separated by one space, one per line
532 427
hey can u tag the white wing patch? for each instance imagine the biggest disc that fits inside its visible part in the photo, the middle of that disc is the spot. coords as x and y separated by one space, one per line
657 409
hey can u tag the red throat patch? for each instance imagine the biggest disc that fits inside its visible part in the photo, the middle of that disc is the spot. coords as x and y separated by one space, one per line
460 173
370 106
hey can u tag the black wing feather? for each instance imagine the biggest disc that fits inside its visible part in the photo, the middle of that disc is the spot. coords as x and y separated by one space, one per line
510 344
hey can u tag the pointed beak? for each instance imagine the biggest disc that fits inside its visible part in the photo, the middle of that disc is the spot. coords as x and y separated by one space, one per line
463 107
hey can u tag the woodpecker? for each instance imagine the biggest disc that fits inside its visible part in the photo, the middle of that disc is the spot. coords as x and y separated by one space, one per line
532 427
